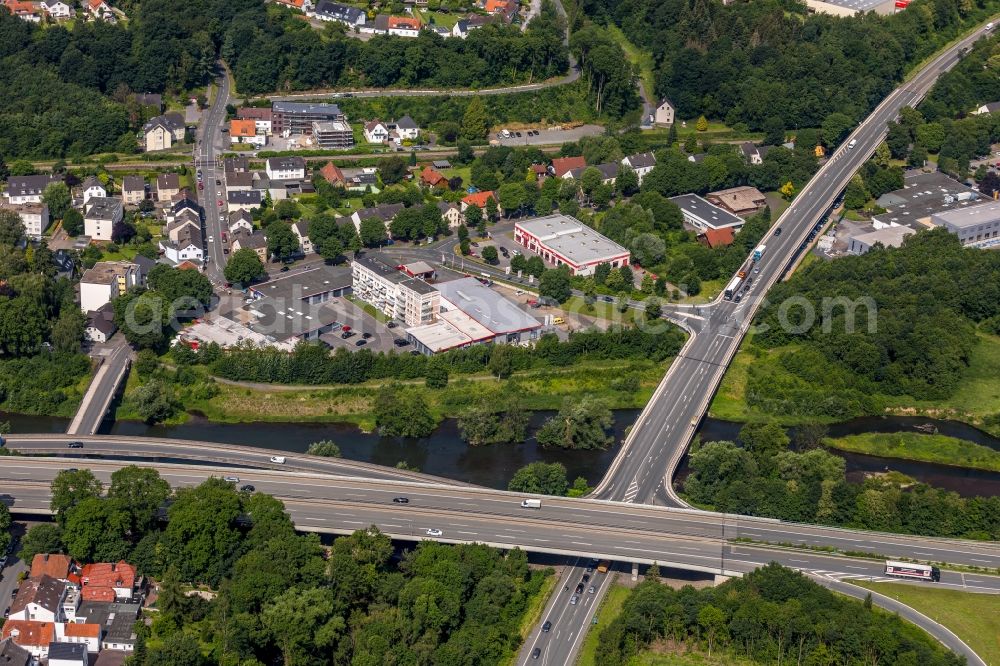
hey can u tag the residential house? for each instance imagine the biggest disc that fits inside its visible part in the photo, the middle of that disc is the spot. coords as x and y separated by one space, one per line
384 212
85 635
380 26
332 174
563 165
24 10
244 200
32 636
433 178
105 281
540 172
133 190
703 215
751 153
240 220
987 109
717 237
163 132
641 163
404 129
404 26
54 565
285 168
507 9
301 230
332 134
183 204
109 581
236 164
99 9
39 599
608 171
12 654
185 243
168 185
64 263
452 213
256 241
245 131
302 5
57 9
239 182
664 113
92 188
362 181
28 189
477 199
151 102
34 217
376 132
262 117
100 215
335 11
743 201
68 654
116 620
464 26
100 324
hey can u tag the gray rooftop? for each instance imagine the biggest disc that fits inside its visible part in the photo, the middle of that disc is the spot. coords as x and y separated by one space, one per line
247 197
963 218
306 284
73 651
18 186
572 239
103 208
338 11
306 108
710 214
12 654
486 306
116 619
293 162
924 194
887 236
375 264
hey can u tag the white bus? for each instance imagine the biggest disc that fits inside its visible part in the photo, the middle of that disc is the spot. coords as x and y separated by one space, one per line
910 570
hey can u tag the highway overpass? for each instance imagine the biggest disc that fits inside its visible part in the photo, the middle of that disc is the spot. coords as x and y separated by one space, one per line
103 387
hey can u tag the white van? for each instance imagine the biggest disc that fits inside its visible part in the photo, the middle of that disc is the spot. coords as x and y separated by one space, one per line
278 460
531 504
853 143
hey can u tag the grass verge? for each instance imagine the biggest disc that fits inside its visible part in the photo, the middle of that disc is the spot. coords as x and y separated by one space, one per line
939 449
610 607
975 618
533 613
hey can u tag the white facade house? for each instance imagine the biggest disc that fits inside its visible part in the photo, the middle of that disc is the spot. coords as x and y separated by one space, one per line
67 654
285 168
39 600
28 189
301 230
105 281
34 217
57 9
335 11
100 215
664 113
376 132
240 220
641 163
93 188
405 129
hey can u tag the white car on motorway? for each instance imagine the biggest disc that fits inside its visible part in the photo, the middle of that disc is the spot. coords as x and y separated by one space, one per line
278 460
434 532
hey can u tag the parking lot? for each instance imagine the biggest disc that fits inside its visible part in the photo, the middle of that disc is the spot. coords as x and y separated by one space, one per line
551 135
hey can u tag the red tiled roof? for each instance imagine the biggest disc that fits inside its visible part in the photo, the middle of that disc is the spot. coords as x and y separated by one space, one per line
332 173
91 593
29 632
562 165
50 564
404 22
431 176
74 630
718 237
479 198
240 128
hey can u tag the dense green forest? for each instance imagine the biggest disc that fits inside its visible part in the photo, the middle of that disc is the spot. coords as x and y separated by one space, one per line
278 51
772 615
913 338
771 63
40 328
764 478
283 597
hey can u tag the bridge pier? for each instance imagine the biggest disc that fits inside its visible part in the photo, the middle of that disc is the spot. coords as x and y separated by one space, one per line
635 571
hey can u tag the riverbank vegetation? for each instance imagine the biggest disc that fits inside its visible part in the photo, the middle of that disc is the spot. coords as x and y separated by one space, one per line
278 596
763 478
873 345
972 617
771 615
938 449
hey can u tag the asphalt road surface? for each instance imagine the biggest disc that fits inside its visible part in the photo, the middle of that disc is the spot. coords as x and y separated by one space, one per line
102 389
211 146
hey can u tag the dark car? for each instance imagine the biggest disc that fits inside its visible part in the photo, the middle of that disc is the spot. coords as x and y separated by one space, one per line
401 500
218 182
399 342
608 299
346 334
391 324
360 343
366 336
585 578
75 445
547 627
247 488
777 232
579 588
284 269
536 653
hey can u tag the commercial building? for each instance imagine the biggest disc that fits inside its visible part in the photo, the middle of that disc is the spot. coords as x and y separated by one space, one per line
395 294
703 215
105 281
100 215
562 240
298 117
887 237
34 217
311 287
977 226
852 7
333 134
922 195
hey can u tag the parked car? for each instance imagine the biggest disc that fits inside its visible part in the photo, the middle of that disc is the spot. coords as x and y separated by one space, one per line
399 342
391 324
346 334
366 336
361 343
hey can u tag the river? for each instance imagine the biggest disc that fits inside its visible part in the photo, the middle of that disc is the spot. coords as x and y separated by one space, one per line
445 454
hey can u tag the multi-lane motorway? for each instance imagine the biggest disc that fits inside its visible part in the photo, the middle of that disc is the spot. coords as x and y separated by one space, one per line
644 469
